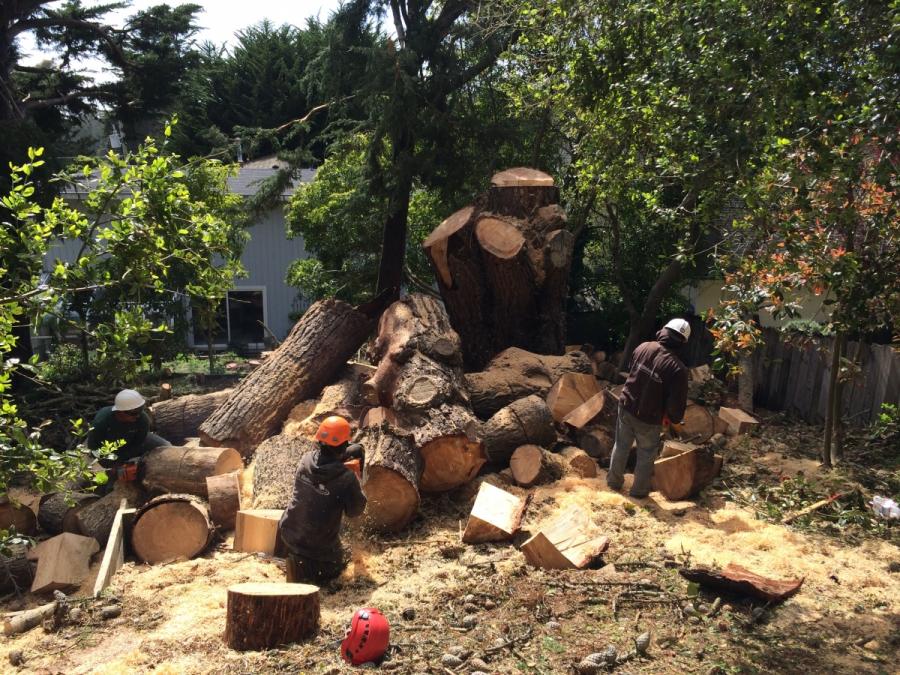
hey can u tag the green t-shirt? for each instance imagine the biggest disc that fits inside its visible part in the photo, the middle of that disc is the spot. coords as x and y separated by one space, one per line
106 427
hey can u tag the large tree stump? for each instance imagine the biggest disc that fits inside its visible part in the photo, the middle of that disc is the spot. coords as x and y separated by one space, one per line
328 334
503 269
178 419
275 467
267 615
171 527
419 377
58 512
184 469
96 519
523 422
390 478
515 373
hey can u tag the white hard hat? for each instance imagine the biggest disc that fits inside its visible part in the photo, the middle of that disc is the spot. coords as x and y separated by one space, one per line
680 326
128 399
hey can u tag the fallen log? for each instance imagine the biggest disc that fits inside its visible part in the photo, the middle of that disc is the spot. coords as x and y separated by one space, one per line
318 346
496 515
515 373
63 561
391 476
571 391
340 398
568 542
224 492
419 377
256 531
58 512
16 570
267 615
96 519
18 516
741 581
177 419
579 462
503 271
25 621
523 422
171 527
275 467
184 469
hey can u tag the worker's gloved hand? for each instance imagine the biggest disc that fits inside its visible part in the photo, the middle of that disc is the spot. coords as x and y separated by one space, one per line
353 451
129 471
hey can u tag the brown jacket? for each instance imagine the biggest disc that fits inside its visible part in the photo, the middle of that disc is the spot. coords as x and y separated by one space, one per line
657 382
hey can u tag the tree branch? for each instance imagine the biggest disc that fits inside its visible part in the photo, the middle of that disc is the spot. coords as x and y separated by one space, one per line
42 103
100 30
398 22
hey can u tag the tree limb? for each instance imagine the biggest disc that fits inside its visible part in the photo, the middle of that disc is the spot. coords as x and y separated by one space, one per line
42 103
100 30
398 22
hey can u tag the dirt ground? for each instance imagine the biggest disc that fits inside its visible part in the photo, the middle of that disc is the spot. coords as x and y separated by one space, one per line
845 619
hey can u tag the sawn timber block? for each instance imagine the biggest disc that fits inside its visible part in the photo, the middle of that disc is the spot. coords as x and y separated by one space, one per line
738 421
496 515
256 531
568 542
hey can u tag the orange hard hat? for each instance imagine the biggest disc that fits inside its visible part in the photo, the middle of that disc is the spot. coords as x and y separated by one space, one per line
334 430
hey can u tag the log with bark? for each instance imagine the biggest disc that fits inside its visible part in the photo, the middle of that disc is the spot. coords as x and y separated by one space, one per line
698 424
739 580
683 475
178 419
524 422
275 467
268 615
419 377
515 373
224 499
340 398
58 512
597 442
328 334
391 477
502 267
18 516
171 527
16 570
579 462
24 621
184 469
96 519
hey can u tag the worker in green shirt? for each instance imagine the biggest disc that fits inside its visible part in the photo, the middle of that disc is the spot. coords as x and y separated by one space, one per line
126 420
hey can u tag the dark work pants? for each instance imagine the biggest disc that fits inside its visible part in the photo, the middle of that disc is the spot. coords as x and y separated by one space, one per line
300 569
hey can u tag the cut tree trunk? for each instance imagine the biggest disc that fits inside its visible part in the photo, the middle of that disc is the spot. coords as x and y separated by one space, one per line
524 422
503 270
63 561
419 377
19 516
328 334
16 570
96 519
171 527
683 475
496 515
341 398
571 391
184 469
58 512
275 467
515 373
568 542
528 464
267 615
224 498
180 418
698 425
579 462
391 477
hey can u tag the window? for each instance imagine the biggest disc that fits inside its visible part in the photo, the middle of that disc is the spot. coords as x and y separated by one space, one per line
239 321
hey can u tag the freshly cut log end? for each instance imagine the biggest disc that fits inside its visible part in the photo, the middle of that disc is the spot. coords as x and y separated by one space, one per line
526 464
390 478
738 421
436 242
224 498
450 461
256 531
698 424
521 176
499 238
496 515
58 512
268 615
328 334
569 541
524 422
184 469
598 409
569 392
521 192
171 527
18 516
579 462
683 475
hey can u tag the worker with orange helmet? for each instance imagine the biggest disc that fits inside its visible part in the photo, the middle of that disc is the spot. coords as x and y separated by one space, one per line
324 492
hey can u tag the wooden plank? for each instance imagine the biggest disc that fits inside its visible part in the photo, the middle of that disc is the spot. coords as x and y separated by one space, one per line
114 553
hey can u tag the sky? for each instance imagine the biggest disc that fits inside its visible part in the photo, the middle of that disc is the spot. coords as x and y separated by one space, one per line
219 20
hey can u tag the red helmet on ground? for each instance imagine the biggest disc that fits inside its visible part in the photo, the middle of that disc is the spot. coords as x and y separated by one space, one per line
334 430
368 637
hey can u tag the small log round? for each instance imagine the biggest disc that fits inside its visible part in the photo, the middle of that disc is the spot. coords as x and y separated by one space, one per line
58 512
579 462
171 527
526 464
598 443
224 498
267 615
18 516
184 469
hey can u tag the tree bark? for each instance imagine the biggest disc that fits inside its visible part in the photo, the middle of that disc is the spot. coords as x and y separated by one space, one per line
16 571
19 516
419 377
274 468
173 468
96 519
745 384
59 511
515 373
390 478
524 422
171 527
267 615
503 269
319 345
178 419
832 405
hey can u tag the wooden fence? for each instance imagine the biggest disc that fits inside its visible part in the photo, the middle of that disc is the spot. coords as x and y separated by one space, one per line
792 375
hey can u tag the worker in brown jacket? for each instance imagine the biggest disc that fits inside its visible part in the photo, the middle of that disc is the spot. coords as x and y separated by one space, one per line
656 389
